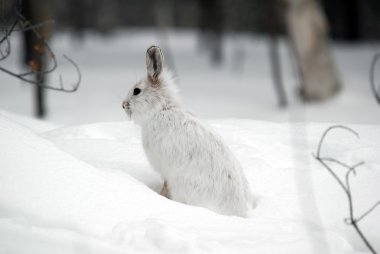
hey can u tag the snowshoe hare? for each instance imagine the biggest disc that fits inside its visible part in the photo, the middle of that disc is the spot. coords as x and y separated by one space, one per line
197 167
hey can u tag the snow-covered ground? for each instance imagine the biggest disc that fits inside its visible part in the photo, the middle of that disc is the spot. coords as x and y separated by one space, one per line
89 189
80 182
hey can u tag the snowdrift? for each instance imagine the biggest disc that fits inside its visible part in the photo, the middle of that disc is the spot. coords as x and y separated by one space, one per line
89 189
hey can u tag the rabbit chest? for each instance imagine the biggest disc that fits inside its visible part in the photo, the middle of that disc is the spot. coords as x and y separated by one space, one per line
167 143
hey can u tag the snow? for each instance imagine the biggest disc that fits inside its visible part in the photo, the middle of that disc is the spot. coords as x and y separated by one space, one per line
89 189
80 182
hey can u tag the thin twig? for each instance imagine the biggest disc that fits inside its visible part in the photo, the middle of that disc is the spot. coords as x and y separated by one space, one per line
346 185
374 87
27 26
8 32
343 164
368 211
328 130
332 173
7 49
75 86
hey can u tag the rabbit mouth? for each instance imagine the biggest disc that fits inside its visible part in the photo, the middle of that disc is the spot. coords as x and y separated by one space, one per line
127 109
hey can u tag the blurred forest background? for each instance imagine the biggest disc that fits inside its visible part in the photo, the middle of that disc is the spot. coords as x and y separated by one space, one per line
349 20
307 24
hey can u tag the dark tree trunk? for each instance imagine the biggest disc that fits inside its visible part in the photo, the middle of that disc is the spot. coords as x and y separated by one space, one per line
273 19
211 26
40 109
36 12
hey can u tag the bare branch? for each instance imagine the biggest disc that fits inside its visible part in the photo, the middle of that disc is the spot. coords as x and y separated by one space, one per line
343 164
374 87
332 173
27 26
5 39
44 48
75 86
8 32
346 185
368 211
7 49
328 130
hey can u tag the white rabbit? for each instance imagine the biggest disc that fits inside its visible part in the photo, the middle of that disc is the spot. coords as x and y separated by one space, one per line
197 167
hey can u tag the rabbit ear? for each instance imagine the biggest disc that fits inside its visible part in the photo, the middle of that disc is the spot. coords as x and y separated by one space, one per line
154 62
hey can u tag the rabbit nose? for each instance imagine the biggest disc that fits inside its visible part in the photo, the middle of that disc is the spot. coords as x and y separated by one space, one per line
125 104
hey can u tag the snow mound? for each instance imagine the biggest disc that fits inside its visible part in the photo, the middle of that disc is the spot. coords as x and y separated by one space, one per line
89 189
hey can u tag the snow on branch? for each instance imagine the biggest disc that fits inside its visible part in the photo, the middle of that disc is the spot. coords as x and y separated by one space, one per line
44 48
345 183
375 88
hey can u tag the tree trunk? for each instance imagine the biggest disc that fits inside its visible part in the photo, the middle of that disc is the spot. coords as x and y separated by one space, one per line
307 29
37 12
211 25
273 20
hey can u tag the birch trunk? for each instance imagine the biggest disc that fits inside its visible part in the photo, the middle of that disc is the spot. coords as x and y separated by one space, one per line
307 29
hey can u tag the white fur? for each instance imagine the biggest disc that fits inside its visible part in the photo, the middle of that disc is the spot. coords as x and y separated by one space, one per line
199 168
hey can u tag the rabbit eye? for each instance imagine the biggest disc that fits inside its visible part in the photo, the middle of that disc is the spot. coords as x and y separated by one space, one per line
136 91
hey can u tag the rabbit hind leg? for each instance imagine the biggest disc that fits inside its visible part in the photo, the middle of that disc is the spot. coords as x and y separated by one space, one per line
164 190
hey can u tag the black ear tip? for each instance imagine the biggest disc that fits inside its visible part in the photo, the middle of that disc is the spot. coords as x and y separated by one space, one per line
152 49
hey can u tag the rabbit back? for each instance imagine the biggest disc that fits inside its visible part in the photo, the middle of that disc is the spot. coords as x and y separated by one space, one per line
199 168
